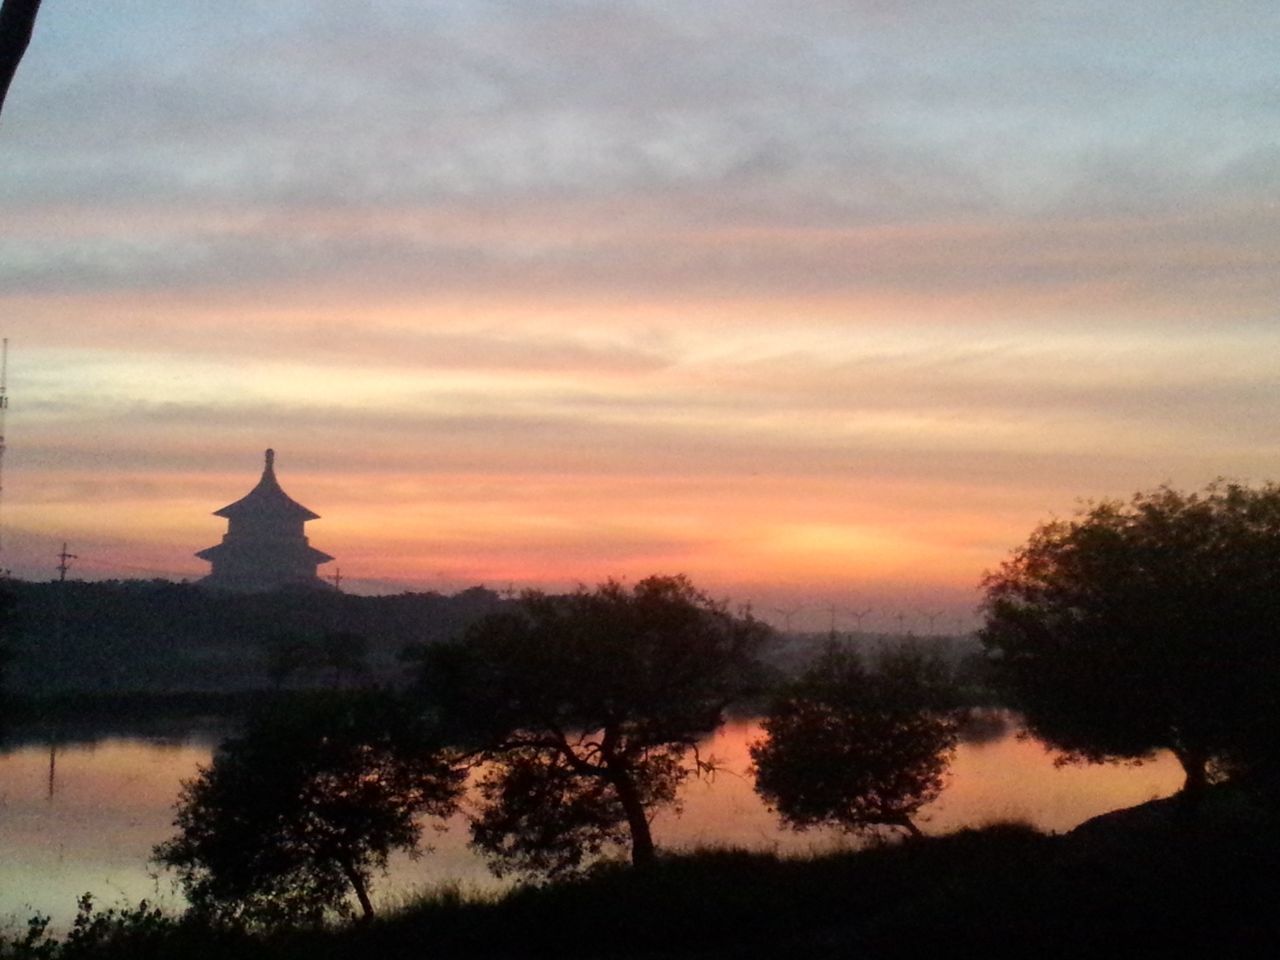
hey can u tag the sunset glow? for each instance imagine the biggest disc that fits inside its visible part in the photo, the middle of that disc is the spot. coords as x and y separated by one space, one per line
818 303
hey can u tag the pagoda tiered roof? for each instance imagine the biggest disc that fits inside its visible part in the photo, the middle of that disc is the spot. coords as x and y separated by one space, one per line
266 500
265 546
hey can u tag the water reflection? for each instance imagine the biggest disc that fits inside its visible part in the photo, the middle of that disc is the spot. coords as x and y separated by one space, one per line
991 779
111 801
91 825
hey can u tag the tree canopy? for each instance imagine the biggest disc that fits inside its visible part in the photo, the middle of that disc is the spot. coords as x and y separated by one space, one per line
856 747
586 709
1144 625
17 21
157 635
294 816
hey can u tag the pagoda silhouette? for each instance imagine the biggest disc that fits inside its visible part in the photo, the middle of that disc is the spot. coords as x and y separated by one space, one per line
264 547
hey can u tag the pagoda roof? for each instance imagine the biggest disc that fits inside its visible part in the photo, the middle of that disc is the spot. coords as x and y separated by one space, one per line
267 499
220 550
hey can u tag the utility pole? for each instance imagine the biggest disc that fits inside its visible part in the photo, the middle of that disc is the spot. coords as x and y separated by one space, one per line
64 563
858 615
337 579
787 613
60 627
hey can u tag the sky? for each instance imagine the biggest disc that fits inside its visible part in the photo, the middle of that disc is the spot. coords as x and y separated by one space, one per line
824 303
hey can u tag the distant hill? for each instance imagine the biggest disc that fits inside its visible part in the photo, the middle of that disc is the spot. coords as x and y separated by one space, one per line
161 636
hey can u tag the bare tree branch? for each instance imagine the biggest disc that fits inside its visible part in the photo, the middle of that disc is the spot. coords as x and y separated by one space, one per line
17 18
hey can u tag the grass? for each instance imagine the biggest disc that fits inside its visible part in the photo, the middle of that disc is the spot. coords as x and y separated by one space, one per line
1116 888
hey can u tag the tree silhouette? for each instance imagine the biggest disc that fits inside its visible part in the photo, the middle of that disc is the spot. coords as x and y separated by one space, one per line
285 655
585 709
17 20
6 653
293 817
1143 625
342 654
857 748
346 655
5 657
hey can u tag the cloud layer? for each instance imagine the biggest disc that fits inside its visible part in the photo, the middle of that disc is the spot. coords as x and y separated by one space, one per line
799 296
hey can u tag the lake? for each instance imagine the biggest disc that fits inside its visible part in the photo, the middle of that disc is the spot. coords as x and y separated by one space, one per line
91 825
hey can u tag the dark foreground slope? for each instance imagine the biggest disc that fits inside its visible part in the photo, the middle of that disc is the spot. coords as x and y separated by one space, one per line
1122 887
